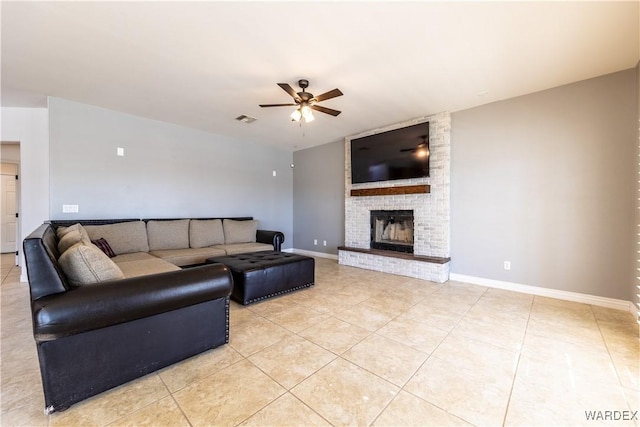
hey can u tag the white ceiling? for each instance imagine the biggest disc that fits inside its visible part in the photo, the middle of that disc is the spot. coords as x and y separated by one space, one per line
201 64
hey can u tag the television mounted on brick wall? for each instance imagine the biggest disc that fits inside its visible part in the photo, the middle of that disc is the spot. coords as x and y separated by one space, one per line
388 156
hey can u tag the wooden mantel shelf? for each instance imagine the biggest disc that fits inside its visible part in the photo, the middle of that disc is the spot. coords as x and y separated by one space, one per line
400 255
391 191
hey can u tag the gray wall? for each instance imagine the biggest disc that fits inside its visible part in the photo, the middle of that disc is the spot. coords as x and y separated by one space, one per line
167 170
546 181
318 198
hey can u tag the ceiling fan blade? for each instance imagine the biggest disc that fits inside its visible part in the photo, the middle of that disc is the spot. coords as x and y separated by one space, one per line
328 95
287 88
278 105
325 110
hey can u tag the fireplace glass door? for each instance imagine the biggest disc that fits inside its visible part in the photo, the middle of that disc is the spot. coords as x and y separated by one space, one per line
392 230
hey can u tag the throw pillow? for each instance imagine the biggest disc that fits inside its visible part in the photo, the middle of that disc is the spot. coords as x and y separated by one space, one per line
70 239
168 234
86 264
61 231
205 232
239 231
103 245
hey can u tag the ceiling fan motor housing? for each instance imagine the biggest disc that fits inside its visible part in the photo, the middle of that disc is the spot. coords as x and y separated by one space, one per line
305 96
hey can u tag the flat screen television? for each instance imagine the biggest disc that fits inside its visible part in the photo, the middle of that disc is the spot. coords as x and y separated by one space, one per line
396 154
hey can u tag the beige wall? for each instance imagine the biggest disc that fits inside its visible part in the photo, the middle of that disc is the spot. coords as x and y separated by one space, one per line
547 182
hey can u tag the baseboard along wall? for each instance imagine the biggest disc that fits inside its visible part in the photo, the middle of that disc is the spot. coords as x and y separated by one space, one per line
617 304
311 253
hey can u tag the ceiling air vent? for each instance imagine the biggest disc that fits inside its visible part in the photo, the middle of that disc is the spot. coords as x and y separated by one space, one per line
246 119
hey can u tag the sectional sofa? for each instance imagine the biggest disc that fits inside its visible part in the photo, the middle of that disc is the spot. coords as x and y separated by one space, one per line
113 300
159 245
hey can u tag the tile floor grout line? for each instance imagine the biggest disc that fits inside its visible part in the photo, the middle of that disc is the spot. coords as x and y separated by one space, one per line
432 355
310 408
427 401
400 388
299 382
383 379
181 410
142 407
615 368
208 375
515 373
267 404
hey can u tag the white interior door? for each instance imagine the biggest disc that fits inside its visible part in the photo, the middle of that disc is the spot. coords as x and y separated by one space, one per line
9 209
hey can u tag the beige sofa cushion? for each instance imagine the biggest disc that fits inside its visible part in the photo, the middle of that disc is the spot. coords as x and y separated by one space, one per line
86 264
239 231
168 234
123 237
189 256
62 231
144 267
241 248
205 232
72 237
133 256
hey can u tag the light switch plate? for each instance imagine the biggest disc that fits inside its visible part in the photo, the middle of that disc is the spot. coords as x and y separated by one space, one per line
120 151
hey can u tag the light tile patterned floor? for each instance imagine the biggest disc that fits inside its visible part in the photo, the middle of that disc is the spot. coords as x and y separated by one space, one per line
362 348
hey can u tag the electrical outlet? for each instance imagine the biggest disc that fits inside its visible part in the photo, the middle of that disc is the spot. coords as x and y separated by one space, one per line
315 242
70 208
120 151
274 173
324 243
507 265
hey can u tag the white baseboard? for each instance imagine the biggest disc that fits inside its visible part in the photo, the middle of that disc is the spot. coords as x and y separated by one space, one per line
617 304
311 253
24 278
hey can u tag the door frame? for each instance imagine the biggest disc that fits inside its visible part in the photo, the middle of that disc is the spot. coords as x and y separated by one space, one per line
18 210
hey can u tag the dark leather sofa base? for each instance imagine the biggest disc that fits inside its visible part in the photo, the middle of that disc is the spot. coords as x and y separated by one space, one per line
94 338
106 358
261 275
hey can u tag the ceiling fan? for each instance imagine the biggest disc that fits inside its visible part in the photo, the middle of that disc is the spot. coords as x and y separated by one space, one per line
422 149
306 101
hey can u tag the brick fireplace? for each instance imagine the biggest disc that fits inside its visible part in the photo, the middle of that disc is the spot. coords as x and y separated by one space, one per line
426 198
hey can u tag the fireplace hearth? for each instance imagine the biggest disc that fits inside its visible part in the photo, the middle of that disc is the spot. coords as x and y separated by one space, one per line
392 230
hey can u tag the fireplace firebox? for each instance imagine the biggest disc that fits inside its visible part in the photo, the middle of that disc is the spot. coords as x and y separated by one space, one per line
392 230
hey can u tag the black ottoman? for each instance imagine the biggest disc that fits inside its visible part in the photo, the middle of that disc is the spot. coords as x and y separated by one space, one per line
260 275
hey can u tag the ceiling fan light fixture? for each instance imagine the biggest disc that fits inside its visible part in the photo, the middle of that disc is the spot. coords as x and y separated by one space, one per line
296 115
307 114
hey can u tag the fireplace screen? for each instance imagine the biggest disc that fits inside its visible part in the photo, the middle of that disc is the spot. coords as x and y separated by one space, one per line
392 230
